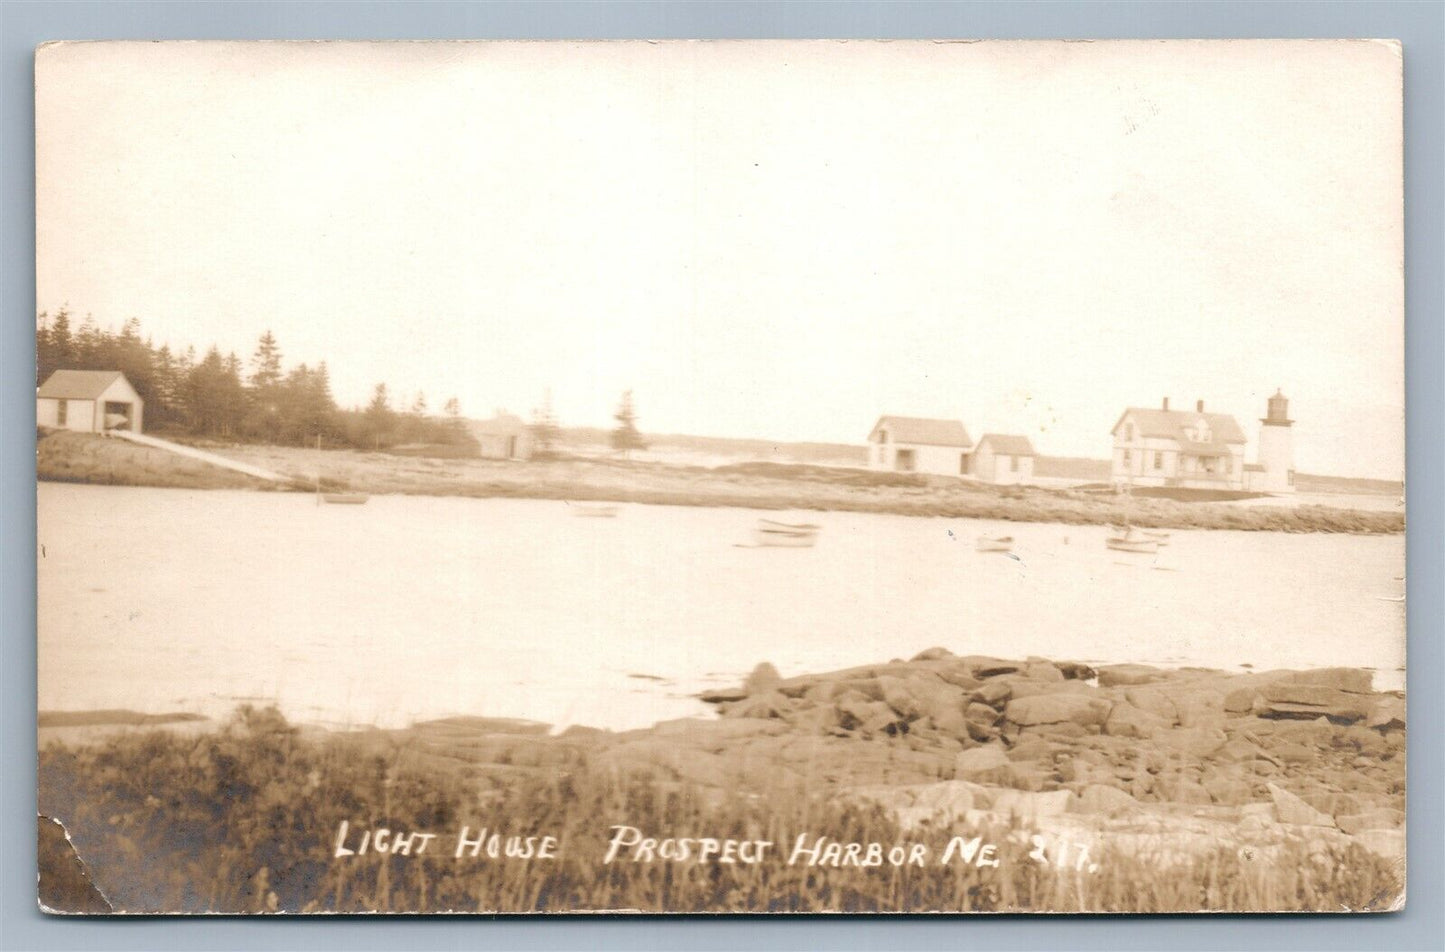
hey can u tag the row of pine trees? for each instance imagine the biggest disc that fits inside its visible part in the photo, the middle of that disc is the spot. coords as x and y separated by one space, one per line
217 396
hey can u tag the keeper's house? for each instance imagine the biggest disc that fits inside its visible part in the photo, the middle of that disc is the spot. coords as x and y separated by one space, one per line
1003 458
88 401
1164 447
917 445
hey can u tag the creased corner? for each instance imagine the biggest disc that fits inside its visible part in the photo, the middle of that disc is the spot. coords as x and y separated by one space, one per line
65 886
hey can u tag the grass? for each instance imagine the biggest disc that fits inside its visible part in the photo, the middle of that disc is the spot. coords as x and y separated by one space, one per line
244 819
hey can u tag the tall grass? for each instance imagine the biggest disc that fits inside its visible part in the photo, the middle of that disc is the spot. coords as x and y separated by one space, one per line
245 819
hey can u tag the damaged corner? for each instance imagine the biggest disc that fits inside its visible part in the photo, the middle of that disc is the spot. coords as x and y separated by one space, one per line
64 883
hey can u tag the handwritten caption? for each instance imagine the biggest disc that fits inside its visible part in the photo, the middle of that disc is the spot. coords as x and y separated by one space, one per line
629 844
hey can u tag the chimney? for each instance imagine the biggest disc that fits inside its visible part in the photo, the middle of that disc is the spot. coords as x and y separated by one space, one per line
1166 403
1199 406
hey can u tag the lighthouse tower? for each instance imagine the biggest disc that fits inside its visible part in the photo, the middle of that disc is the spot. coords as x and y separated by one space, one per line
1276 447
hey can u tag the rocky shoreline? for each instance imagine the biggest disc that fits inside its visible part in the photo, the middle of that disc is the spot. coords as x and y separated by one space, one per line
1172 763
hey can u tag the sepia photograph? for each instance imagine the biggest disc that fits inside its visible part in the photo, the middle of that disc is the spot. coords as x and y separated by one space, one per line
720 477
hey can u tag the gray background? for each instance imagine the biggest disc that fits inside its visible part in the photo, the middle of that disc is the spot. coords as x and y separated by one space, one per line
1420 25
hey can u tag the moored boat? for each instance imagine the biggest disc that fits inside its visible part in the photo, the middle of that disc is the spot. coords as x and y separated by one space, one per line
594 511
995 543
345 499
1132 542
770 532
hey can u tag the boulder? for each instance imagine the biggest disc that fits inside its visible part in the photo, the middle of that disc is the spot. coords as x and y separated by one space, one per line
1126 720
1346 712
1195 742
896 694
765 704
1240 700
1295 754
723 695
1031 805
1238 750
1154 701
1076 671
993 667
1289 808
1388 714
1228 790
934 654
1058 708
1353 680
1200 709
764 677
1113 675
958 675
1184 790
1043 671
1381 818
1104 801
981 714
994 693
979 760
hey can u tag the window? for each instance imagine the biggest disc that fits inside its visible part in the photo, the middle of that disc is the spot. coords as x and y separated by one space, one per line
1158 459
963 464
60 407
1127 459
1013 463
1129 433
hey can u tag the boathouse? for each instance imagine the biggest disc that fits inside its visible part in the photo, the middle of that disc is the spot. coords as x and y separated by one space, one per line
1003 458
88 401
919 445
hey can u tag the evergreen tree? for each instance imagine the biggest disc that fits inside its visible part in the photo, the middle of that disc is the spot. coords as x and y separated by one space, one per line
544 426
379 420
625 436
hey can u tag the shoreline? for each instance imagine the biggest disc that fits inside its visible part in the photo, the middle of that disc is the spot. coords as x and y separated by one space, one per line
1160 772
80 458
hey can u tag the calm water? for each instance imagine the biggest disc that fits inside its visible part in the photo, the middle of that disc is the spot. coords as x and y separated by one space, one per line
415 607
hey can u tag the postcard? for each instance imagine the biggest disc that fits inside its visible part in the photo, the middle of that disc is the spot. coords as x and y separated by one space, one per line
720 477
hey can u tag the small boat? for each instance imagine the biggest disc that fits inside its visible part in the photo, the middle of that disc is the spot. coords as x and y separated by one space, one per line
594 511
794 535
995 543
1132 542
1160 537
345 499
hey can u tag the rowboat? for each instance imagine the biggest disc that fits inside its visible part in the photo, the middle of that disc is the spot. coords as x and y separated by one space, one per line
1132 543
594 512
345 499
995 543
794 535
1160 537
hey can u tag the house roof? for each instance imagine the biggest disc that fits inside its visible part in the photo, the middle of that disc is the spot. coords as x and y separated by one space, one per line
77 384
924 431
1170 424
1008 444
505 424
1215 448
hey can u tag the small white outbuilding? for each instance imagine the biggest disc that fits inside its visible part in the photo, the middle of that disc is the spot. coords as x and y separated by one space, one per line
88 401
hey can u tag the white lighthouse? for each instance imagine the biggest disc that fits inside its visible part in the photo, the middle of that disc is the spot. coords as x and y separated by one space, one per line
1275 473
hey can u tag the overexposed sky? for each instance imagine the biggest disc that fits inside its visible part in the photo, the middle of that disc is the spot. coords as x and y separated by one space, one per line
778 240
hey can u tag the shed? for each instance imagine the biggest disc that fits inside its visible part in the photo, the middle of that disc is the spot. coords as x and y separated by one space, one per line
88 401
504 436
1003 458
919 445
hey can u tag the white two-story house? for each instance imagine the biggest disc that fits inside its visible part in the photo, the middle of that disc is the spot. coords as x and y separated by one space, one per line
1164 447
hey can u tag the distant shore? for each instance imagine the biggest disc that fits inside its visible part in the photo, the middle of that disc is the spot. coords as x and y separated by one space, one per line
73 457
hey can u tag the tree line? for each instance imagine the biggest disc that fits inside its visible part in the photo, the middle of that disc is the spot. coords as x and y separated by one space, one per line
216 395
